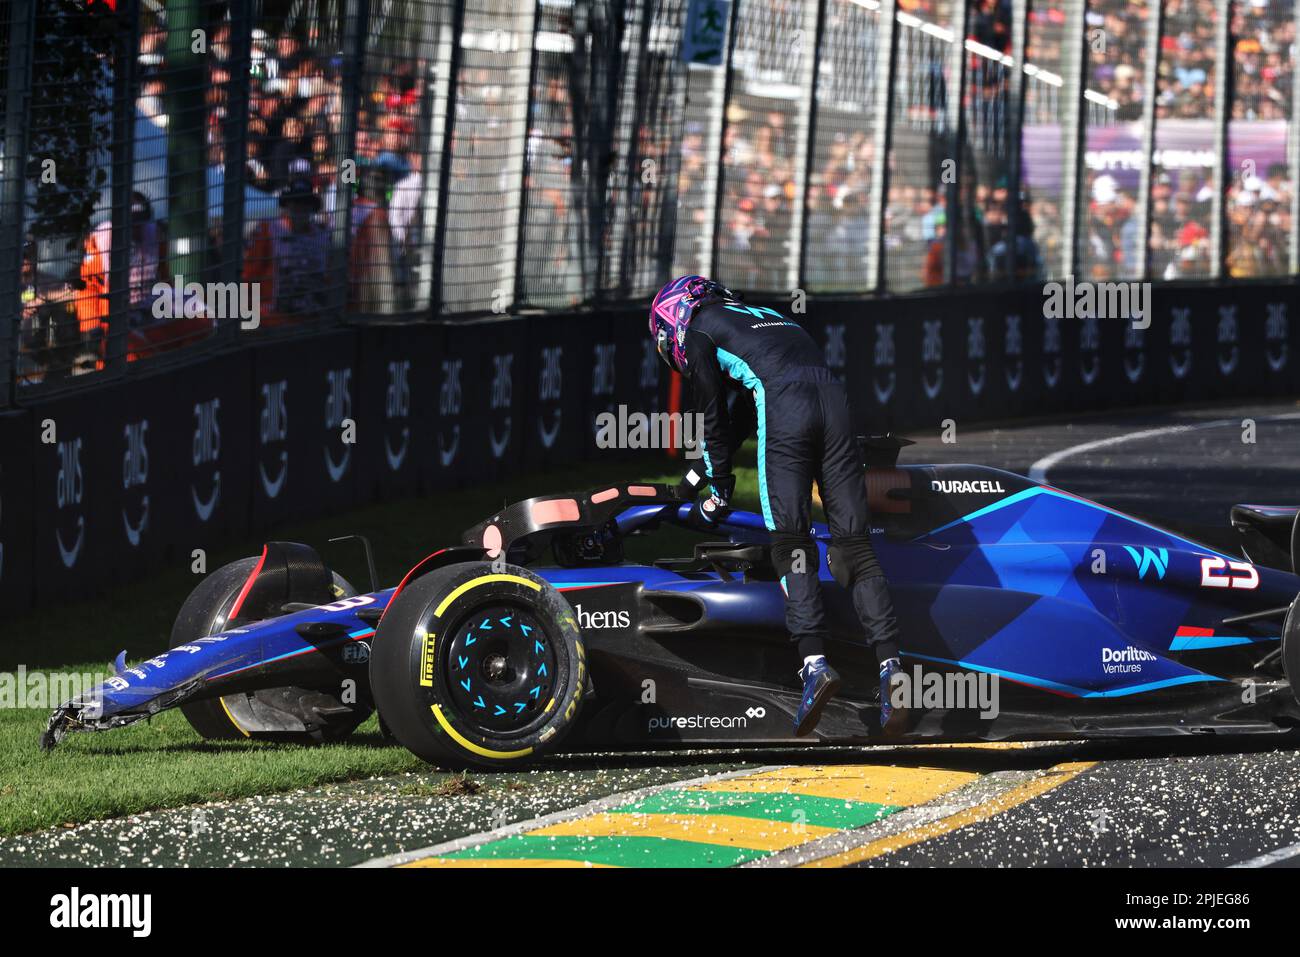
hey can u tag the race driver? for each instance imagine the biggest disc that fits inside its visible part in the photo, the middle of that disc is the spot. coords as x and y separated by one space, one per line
774 374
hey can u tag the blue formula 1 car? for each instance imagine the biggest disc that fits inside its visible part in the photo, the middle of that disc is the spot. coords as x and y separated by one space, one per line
1083 622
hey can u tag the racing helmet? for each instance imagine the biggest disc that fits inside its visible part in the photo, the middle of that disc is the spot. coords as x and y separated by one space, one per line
672 310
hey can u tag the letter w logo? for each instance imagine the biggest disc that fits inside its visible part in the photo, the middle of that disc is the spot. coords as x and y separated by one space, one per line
1158 559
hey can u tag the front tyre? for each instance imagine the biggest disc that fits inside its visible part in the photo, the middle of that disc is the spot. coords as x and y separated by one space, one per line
474 666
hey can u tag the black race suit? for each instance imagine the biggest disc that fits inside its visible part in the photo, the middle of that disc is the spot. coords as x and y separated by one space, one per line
805 433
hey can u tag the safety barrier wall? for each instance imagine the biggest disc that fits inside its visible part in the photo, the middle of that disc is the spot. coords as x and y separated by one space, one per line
103 487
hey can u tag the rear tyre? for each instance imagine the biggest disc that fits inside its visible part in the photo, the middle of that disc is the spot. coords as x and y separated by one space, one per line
474 667
1291 647
293 715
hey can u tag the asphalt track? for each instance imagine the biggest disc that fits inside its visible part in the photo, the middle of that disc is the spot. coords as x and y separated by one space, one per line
1193 802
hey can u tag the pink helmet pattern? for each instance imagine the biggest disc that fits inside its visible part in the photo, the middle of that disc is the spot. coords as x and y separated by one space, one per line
672 310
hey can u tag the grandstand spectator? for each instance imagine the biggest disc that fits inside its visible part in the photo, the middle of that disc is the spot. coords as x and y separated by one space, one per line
370 263
289 258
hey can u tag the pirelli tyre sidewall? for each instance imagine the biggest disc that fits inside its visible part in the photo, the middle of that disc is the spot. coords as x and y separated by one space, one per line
1291 647
476 666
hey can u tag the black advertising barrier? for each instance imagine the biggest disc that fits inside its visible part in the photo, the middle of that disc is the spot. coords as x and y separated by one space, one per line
640 379
555 386
455 414
108 484
16 514
476 418
204 456
73 464
399 375
173 480
304 428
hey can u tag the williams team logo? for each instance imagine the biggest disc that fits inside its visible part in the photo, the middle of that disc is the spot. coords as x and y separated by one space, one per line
1149 559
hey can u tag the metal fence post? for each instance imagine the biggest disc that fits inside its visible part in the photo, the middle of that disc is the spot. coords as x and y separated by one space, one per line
235 138
1155 31
720 180
1015 121
1293 156
521 223
957 130
444 165
122 164
886 60
1075 75
13 200
816 12
1222 99
356 18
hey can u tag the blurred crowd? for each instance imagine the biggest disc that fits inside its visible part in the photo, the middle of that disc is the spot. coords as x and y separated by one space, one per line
298 190
323 232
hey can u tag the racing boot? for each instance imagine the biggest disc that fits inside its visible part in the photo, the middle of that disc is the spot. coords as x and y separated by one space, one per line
820 682
892 717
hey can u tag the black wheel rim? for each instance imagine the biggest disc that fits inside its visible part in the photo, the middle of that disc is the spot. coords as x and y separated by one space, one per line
500 668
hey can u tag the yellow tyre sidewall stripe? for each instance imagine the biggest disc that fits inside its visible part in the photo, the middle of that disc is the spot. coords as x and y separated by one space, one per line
427 652
482 580
469 745
239 727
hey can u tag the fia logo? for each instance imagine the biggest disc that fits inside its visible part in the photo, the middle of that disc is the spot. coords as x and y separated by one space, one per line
550 386
1227 336
500 398
1276 329
975 370
205 454
135 475
932 358
1180 341
449 408
273 429
397 412
338 409
1014 351
69 487
884 378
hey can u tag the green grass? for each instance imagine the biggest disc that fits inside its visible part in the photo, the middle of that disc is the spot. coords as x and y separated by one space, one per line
163 762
